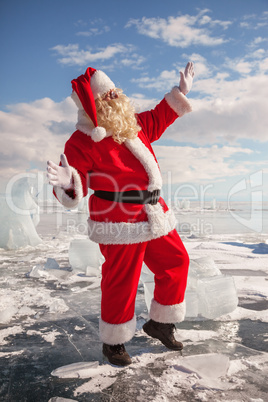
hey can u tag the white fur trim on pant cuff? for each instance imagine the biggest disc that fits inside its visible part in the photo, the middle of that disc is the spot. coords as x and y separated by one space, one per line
178 102
114 334
64 199
167 314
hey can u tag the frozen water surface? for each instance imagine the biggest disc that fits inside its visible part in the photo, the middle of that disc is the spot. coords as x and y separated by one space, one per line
49 312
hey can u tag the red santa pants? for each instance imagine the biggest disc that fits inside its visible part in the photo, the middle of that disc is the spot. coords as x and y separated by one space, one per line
166 257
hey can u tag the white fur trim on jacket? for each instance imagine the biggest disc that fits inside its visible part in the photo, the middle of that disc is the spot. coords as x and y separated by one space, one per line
146 158
133 233
167 314
178 102
64 199
114 334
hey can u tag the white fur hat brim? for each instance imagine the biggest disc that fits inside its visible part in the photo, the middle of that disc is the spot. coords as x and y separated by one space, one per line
100 84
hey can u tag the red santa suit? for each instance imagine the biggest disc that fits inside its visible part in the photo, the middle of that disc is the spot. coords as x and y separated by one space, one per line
129 233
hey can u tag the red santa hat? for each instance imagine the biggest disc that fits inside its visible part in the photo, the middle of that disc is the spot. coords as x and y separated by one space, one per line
88 87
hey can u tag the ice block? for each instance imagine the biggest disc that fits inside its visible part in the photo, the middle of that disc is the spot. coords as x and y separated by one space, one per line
85 255
209 294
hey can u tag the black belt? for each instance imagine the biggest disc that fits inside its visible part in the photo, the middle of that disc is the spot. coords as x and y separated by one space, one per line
131 196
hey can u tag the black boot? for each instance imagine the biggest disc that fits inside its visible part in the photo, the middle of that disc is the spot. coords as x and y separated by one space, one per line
163 332
116 354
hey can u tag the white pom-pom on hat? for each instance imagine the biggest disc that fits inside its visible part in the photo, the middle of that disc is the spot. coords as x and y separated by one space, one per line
98 133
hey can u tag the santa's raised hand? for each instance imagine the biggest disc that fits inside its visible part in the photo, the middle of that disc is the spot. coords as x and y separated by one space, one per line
60 176
187 76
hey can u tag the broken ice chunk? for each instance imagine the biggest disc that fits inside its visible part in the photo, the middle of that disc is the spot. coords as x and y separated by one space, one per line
51 263
20 215
50 270
77 370
204 267
85 255
191 301
148 293
217 296
209 369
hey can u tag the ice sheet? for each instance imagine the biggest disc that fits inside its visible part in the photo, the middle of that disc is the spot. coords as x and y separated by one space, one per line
36 341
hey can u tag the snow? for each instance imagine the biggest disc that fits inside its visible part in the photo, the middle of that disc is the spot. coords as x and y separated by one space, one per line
205 371
27 302
48 337
49 311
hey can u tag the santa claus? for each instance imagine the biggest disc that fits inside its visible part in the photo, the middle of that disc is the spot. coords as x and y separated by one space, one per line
111 153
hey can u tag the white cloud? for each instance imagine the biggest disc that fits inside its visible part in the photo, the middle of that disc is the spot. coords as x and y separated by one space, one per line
256 41
33 133
188 164
264 65
166 79
117 54
254 21
93 27
133 60
244 24
201 66
253 62
257 54
141 103
234 110
169 78
206 20
181 31
72 55
94 31
243 67
224 109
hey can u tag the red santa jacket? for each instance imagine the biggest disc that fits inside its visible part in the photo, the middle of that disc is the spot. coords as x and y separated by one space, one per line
132 165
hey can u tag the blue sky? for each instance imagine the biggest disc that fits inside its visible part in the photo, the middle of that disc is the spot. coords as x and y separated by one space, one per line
142 46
